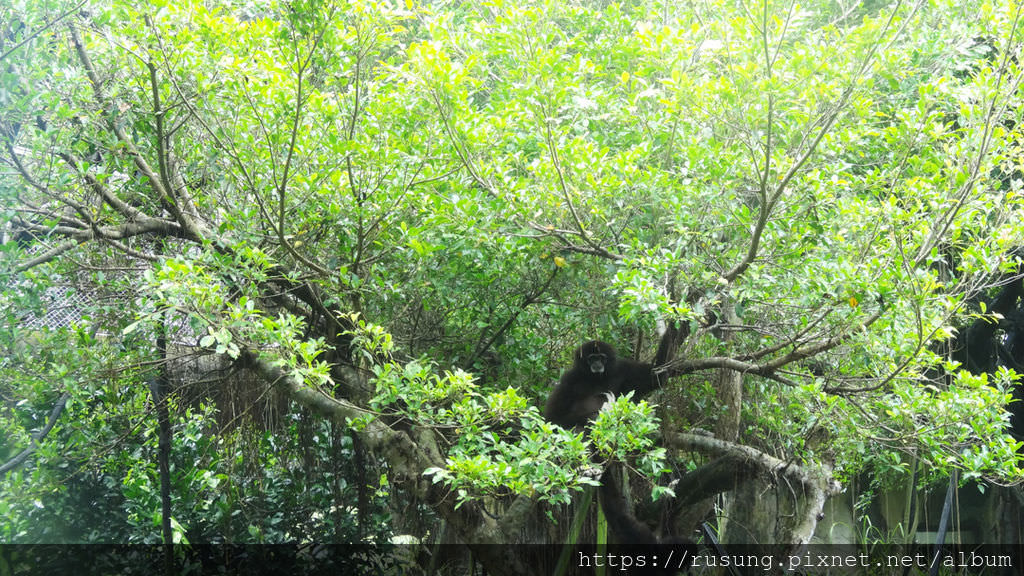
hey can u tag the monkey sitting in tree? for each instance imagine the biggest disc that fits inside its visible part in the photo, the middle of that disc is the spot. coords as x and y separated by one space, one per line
596 374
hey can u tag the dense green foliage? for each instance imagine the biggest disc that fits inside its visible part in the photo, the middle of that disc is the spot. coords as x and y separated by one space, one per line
447 199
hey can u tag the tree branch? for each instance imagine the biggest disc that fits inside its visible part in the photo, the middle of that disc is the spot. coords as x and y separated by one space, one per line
408 455
55 413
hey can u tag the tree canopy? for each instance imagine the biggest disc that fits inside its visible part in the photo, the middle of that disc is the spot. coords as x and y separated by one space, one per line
357 236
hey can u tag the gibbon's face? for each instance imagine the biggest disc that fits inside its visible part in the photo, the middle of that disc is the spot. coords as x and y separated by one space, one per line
597 362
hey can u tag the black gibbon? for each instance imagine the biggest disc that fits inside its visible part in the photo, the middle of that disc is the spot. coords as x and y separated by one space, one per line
985 348
988 343
977 346
596 372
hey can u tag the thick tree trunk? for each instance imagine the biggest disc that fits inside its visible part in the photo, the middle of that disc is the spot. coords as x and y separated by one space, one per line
772 502
729 389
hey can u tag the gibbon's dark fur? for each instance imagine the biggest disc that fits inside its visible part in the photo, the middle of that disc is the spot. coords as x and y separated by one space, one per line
629 531
596 371
635 538
988 343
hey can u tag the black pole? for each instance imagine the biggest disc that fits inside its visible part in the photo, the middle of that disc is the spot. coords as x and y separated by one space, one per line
940 536
158 388
709 537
